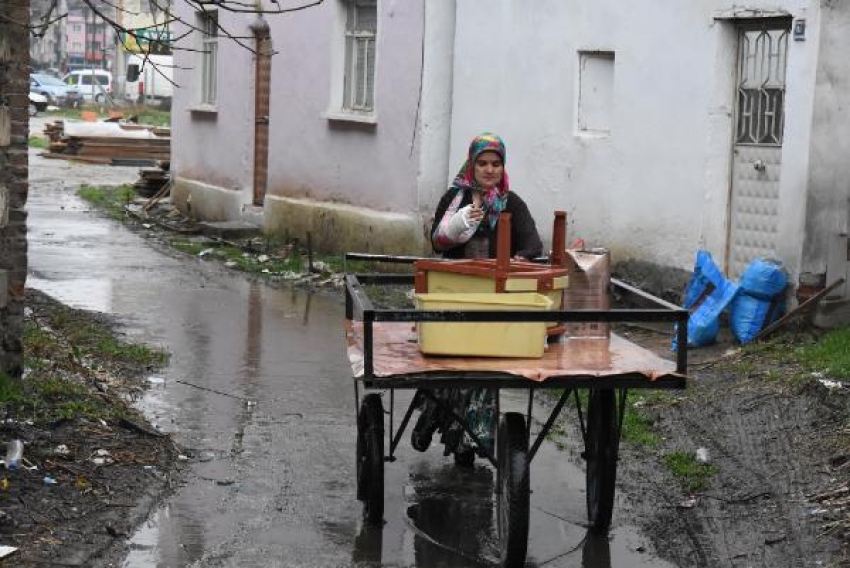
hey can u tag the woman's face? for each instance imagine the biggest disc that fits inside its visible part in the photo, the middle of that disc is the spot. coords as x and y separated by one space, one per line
488 169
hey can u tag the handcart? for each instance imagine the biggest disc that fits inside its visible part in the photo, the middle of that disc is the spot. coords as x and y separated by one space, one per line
384 358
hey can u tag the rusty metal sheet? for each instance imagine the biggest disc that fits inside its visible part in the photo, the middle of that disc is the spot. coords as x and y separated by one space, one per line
396 353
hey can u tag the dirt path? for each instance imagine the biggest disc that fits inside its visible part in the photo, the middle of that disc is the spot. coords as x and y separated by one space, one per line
774 433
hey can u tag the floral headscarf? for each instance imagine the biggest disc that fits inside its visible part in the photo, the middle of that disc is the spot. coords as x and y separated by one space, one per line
495 198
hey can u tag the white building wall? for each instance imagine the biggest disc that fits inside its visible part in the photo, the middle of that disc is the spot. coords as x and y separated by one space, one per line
214 145
316 157
656 187
319 159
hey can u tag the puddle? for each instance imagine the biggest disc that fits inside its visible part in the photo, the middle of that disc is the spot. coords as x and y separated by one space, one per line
259 396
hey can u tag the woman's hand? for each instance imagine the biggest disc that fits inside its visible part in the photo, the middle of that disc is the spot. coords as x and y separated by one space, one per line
476 213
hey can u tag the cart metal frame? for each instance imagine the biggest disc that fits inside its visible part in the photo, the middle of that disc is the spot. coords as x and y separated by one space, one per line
600 427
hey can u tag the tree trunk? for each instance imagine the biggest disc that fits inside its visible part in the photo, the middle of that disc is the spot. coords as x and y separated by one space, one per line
14 135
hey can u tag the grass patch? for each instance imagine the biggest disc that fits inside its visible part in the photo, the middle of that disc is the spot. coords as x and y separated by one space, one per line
637 425
38 142
113 200
96 342
692 474
65 353
189 247
240 259
66 112
151 116
829 355
145 115
10 389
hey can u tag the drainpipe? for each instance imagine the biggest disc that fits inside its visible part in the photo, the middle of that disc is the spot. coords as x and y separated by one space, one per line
262 87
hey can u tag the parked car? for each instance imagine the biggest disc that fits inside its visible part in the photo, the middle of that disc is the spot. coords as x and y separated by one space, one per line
38 103
51 87
92 84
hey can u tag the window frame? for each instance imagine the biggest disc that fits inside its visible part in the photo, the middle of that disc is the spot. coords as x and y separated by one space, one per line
207 27
338 110
357 41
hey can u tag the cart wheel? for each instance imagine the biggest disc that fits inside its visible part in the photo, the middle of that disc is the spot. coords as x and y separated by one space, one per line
601 448
514 489
370 458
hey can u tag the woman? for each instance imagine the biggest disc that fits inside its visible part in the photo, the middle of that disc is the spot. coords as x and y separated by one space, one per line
468 214
465 226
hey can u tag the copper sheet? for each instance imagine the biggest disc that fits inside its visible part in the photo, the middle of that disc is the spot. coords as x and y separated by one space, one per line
396 353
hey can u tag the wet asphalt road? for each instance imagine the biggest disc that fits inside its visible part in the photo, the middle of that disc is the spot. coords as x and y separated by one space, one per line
259 393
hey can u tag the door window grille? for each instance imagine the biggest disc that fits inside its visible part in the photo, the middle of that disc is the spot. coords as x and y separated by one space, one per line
361 29
761 86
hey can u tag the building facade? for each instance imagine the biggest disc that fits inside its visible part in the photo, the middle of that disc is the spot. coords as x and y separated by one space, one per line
661 129
48 40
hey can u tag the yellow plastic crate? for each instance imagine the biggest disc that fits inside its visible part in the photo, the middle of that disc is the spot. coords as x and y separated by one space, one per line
483 339
445 282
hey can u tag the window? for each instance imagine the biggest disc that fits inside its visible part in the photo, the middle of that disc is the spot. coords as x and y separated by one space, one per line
595 92
77 28
208 26
361 27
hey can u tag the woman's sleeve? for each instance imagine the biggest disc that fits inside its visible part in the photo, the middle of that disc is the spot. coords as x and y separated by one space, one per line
528 243
442 236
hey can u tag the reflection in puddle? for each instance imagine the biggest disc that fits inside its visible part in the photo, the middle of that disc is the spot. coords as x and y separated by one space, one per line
596 552
368 544
444 499
93 294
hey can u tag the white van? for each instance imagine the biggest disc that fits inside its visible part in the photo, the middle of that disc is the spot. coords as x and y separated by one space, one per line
93 84
149 78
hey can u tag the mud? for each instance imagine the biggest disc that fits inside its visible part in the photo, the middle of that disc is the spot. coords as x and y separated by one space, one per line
775 433
62 508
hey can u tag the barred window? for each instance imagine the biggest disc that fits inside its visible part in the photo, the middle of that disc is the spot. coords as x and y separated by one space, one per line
361 28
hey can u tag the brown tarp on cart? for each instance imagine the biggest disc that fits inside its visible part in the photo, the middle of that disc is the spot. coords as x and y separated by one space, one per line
396 353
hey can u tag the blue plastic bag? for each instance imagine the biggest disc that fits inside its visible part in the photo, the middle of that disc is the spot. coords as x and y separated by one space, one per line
707 294
761 300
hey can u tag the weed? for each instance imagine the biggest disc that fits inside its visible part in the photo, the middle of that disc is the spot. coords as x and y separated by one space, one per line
144 115
743 367
691 473
10 389
60 349
37 142
189 247
831 354
112 200
637 428
112 348
152 117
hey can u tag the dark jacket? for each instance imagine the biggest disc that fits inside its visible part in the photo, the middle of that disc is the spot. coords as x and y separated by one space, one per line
525 241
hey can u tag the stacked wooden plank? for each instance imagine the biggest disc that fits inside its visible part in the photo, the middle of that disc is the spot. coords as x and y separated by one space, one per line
150 181
108 142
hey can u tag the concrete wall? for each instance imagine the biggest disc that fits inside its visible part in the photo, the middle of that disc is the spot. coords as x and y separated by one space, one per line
655 186
315 155
829 164
826 246
435 111
14 134
213 145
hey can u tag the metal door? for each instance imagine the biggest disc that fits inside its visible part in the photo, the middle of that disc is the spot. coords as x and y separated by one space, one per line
757 146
